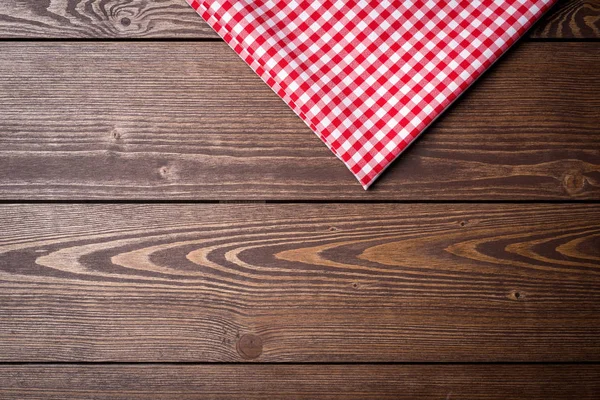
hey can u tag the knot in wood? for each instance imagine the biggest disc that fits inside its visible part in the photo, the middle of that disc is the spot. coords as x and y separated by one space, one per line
115 134
250 346
573 182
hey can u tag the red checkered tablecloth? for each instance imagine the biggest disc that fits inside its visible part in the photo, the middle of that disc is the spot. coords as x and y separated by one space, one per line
368 77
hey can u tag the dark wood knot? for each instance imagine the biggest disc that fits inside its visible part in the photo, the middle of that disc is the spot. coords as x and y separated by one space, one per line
250 346
115 134
574 182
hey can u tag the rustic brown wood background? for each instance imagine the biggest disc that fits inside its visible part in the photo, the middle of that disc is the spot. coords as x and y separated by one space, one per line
169 229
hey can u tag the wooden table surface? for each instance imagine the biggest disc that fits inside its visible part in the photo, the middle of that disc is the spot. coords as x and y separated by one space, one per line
171 230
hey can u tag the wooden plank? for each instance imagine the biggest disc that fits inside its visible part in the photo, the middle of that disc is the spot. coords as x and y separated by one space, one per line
175 19
570 19
132 120
102 19
304 282
111 382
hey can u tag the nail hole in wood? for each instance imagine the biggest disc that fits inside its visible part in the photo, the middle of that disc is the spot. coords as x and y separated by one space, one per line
125 21
516 295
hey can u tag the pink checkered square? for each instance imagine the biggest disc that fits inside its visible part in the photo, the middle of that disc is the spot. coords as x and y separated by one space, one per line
369 76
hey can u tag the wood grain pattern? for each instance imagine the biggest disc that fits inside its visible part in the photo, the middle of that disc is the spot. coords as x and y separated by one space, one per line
175 19
103 19
304 282
131 120
261 283
170 382
571 19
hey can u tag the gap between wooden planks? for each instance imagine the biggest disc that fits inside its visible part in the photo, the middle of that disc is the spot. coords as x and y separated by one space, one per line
138 120
298 283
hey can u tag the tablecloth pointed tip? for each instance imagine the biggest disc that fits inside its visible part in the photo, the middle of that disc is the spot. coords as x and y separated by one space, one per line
366 97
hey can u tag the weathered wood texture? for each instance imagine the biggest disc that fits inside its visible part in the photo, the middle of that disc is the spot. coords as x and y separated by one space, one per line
570 19
112 382
175 19
61 19
287 283
336 282
131 120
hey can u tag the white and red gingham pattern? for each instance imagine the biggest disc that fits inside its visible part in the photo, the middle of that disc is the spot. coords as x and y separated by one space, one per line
369 76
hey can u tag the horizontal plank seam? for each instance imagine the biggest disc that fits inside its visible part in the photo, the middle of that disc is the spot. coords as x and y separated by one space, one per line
219 40
99 363
291 202
87 40
561 40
